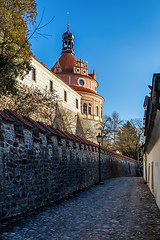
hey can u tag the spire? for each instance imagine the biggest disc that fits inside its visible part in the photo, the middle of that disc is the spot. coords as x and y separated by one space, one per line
68 41
68 21
68 27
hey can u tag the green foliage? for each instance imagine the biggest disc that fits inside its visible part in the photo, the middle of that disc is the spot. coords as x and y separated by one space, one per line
15 54
124 136
130 138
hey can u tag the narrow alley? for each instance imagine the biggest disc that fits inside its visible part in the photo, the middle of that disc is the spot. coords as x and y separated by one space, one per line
121 208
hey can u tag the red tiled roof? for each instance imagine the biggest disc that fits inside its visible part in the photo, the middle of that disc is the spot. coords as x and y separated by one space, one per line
36 138
51 71
34 123
84 140
53 130
48 128
118 154
19 135
57 131
80 139
92 143
83 89
72 136
6 117
66 134
66 61
18 117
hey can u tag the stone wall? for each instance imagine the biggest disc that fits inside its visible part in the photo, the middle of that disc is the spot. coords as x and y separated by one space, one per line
40 164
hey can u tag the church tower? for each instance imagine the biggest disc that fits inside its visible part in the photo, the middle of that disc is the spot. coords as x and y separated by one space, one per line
75 74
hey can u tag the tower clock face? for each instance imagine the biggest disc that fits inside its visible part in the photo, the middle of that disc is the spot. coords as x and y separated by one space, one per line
81 82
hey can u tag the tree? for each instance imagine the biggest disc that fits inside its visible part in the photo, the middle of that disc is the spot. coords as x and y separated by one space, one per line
15 54
65 119
130 138
32 102
111 125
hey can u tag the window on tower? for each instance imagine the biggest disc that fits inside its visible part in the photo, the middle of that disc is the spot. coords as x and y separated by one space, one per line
69 44
97 111
89 108
84 108
81 82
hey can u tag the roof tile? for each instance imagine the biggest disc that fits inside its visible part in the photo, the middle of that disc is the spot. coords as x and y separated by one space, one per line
18 117
6 117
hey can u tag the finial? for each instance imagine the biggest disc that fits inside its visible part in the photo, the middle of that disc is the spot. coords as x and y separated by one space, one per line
68 21
93 71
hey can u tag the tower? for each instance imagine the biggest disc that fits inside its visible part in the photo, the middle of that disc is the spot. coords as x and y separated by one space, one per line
68 41
75 74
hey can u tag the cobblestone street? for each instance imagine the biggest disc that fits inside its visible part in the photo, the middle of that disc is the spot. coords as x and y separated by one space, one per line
121 208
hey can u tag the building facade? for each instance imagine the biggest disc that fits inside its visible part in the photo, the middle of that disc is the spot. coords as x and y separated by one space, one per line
76 88
151 147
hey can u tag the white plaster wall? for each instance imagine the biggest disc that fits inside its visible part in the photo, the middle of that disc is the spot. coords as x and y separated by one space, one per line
43 77
154 156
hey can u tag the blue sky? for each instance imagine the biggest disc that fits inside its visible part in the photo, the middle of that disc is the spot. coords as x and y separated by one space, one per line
121 39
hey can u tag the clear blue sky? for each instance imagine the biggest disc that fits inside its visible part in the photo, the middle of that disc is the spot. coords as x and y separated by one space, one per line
120 38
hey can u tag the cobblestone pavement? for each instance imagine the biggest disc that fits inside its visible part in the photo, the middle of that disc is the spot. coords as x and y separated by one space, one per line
121 208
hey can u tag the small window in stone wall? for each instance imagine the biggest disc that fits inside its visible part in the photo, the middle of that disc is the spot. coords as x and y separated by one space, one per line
33 74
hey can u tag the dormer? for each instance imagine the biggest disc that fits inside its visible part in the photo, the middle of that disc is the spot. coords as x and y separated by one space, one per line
80 67
57 67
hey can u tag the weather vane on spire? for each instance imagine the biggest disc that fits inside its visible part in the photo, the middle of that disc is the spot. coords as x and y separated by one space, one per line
68 21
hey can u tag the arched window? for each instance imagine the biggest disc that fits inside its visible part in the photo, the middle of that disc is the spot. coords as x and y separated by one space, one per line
101 113
84 108
69 44
89 108
97 111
